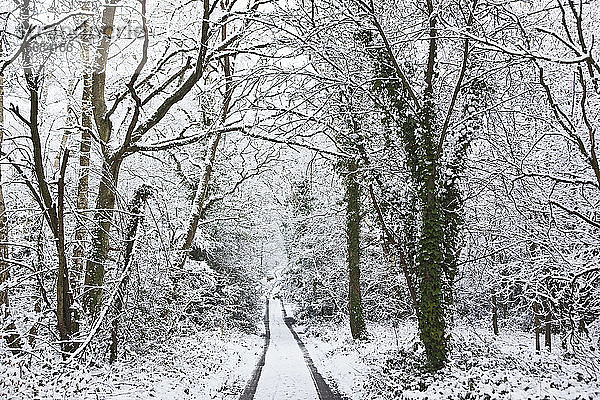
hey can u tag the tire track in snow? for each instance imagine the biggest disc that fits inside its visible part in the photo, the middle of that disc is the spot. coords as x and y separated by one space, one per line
250 389
323 390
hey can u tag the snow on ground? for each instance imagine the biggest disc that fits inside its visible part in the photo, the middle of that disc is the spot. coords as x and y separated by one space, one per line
208 365
481 367
285 374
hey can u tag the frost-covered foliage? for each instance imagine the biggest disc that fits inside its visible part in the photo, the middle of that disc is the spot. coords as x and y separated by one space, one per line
486 366
202 366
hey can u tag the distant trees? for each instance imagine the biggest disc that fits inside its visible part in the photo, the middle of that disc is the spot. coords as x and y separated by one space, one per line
371 74
422 118
578 125
315 277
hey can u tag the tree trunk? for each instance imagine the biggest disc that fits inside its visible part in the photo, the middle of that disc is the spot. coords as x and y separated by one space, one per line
12 337
494 313
211 152
430 260
536 325
548 331
199 198
136 208
105 204
432 324
353 221
70 123
67 325
84 163
53 211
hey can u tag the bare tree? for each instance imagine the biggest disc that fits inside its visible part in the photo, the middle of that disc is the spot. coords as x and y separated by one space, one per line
53 209
12 336
136 130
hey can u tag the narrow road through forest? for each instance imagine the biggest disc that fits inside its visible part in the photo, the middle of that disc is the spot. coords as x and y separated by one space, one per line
286 371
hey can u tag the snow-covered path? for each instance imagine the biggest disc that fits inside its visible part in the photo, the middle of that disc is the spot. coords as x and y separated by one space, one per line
285 374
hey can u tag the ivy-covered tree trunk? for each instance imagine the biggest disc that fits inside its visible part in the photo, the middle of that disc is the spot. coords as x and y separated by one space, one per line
430 258
433 165
353 220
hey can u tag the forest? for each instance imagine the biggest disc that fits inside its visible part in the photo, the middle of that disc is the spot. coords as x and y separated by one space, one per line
299 199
